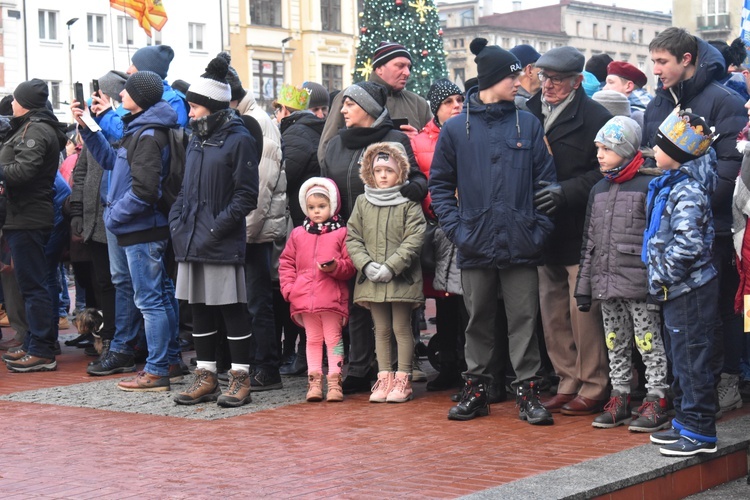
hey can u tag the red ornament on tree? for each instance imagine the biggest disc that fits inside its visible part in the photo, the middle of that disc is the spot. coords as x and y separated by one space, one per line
399 2
440 32
424 53
363 30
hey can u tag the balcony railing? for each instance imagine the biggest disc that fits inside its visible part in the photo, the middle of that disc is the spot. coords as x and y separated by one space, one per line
714 22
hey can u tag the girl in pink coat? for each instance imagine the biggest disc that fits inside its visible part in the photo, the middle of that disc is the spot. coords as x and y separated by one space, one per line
313 270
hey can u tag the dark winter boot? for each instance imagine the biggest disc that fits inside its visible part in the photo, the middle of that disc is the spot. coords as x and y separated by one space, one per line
616 412
298 367
473 401
529 407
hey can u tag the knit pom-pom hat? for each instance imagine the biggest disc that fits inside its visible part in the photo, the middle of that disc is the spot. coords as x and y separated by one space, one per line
212 90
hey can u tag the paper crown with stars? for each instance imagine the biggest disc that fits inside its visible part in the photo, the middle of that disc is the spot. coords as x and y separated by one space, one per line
294 97
684 136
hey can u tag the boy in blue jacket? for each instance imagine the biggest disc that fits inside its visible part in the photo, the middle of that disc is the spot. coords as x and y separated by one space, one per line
677 251
495 157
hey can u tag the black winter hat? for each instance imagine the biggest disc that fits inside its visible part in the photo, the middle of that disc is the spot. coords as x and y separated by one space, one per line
439 91
212 90
493 63
145 88
154 58
597 66
233 79
32 94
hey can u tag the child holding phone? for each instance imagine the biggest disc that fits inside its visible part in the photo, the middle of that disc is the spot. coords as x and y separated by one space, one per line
313 271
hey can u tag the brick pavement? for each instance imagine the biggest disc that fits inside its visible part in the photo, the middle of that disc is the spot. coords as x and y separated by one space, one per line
353 449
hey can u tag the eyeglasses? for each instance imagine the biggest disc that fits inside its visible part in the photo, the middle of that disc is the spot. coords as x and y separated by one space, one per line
556 80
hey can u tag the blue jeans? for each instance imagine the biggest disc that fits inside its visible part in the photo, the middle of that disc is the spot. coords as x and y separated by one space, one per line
689 326
264 346
64 296
142 296
30 267
53 251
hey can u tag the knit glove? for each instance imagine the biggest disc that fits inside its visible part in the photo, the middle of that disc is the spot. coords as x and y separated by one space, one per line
414 191
550 198
371 270
583 302
384 275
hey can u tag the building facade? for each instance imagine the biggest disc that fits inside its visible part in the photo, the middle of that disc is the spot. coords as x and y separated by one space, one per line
593 29
63 42
709 19
292 41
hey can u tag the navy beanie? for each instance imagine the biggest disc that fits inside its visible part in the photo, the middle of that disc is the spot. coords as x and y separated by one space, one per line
154 58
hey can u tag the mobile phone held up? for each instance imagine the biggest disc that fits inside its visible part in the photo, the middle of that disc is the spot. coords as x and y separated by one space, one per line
397 122
78 90
95 87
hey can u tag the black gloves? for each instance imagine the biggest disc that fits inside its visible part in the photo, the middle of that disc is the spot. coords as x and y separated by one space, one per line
583 302
416 189
550 198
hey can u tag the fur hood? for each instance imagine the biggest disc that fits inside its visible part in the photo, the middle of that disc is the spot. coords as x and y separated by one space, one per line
395 150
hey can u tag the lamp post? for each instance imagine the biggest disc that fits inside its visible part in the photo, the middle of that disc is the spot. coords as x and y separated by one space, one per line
283 58
70 23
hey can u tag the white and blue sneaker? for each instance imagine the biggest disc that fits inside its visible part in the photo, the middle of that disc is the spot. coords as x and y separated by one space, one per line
669 436
687 447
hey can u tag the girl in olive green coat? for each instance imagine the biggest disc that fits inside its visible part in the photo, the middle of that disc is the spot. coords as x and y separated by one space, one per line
385 235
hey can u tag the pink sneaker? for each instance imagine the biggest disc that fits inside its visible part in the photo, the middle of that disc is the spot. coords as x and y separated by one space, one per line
401 389
382 387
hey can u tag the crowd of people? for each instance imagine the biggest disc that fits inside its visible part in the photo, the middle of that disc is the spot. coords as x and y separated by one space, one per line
581 237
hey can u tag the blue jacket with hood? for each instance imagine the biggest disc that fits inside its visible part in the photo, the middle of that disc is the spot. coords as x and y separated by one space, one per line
679 254
722 108
134 190
495 156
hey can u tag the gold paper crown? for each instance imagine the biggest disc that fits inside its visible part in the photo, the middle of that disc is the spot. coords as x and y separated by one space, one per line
294 97
688 133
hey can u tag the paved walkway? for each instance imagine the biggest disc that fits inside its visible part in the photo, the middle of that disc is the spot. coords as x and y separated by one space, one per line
69 435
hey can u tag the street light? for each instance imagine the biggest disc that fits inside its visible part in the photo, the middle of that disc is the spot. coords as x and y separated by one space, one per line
283 58
70 23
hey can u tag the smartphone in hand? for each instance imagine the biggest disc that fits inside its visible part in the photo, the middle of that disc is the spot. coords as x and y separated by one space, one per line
329 263
397 122
95 86
78 91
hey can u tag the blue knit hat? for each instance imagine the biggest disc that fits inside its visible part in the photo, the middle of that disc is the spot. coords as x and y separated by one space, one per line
526 54
154 58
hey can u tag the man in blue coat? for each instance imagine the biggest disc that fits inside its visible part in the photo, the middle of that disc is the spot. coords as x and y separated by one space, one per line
495 157
689 72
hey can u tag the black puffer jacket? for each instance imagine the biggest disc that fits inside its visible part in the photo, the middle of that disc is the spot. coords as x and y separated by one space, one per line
344 154
571 139
722 108
29 158
300 133
220 187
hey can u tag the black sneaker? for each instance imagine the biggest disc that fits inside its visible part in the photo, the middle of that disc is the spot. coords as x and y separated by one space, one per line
687 447
473 402
669 436
352 384
113 362
529 406
264 381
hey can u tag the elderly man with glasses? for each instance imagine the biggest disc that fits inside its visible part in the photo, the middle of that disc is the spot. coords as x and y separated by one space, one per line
575 339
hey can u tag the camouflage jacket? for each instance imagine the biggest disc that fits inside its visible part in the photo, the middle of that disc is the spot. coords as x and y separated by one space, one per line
679 254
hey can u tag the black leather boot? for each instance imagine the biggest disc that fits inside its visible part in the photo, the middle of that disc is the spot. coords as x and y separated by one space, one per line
473 401
529 407
298 367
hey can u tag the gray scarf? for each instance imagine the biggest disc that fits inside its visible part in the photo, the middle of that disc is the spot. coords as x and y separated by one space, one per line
386 197
552 113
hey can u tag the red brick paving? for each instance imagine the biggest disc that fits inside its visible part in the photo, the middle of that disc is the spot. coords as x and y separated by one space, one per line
352 450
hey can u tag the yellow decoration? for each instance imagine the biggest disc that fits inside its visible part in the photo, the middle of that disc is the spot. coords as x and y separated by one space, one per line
294 97
422 8
387 23
646 343
611 337
366 69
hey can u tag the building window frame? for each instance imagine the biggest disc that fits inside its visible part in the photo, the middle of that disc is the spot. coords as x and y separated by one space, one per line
268 76
125 30
330 14
333 76
48 25
95 29
196 33
265 12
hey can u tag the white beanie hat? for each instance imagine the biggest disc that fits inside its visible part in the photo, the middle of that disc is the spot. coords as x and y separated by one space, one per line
212 90
319 185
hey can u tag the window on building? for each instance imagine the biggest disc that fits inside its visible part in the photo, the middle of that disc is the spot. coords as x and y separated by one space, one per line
578 28
195 40
330 13
333 78
640 36
461 42
95 28
268 77
595 31
467 17
154 39
266 12
624 34
459 75
542 47
54 93
455 43
525 41
125 30
506 42
716 7
609 32
47 25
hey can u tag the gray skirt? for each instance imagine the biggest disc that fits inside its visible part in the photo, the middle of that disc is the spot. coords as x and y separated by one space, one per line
211 284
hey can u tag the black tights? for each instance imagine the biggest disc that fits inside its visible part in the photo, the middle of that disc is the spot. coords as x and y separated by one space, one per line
205 321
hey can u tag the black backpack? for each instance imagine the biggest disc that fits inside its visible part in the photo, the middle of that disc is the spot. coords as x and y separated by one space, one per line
177 140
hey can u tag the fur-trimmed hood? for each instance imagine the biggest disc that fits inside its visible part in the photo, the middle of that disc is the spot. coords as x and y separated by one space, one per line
394 149
328 185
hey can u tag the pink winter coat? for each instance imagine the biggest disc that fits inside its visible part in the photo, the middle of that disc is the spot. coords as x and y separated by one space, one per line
307 288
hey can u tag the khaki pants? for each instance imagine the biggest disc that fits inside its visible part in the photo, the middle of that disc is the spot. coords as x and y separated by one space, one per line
575 340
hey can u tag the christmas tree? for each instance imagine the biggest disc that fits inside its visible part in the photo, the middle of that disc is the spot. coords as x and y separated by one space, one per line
412 23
